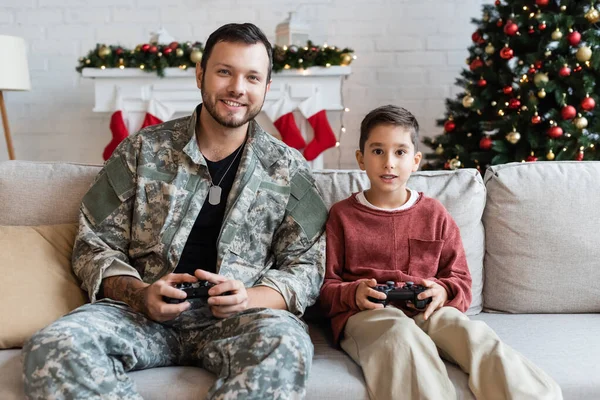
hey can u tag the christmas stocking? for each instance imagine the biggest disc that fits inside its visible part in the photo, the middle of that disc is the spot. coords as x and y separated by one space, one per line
281 114
324 137
157 113
117 127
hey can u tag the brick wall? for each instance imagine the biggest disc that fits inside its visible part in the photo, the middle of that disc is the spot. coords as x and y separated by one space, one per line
409 53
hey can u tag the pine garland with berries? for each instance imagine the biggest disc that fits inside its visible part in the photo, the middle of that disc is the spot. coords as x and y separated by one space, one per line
530 89
155 58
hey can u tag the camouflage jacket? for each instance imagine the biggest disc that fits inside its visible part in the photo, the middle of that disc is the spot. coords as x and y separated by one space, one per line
138 213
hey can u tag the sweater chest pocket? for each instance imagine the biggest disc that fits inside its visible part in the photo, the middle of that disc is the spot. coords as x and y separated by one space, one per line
424 257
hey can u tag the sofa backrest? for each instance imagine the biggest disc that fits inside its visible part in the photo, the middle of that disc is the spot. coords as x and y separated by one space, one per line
42 193
36 193
542 227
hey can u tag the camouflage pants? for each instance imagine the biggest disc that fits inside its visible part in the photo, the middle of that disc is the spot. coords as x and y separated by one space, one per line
256 354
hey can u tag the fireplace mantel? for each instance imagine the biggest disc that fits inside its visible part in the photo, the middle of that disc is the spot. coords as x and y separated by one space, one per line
178 90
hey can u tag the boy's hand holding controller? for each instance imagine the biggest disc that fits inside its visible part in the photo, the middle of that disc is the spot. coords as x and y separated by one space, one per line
365 290
438 295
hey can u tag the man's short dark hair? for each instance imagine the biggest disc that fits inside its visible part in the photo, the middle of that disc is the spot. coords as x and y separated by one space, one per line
388 115
237 33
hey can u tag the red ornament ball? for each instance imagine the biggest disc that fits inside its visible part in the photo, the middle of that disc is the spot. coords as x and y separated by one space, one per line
588 104
476 63
579 156
541 2
538 64
476 36
564 71
145 47
542 26
536 119
119 51
574 38
568 112
514 104
511 28
497 2
481 83
507 89
167 51
531 70
531 158
555 132
153 49
499 23
506 53
173 45
449 126
486 143
577 68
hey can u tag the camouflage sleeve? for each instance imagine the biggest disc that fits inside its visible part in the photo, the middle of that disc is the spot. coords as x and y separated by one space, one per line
299 246
102 242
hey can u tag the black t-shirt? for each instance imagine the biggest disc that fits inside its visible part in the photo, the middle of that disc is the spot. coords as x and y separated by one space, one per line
200 251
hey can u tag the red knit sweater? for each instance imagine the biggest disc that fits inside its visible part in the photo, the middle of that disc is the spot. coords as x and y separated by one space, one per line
420 242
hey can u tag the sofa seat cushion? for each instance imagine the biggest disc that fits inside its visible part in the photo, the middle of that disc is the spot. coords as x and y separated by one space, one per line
561 344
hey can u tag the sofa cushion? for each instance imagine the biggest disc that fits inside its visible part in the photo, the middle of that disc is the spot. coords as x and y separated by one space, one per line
462 193
543 237
37 193
560 344
37 285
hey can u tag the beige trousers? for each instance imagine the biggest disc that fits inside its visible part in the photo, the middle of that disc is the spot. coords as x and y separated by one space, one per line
400 357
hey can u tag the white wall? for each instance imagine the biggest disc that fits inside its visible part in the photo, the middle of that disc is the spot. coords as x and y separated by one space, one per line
409 53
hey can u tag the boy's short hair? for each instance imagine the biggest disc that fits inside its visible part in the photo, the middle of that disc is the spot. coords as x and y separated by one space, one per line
238 33
388 115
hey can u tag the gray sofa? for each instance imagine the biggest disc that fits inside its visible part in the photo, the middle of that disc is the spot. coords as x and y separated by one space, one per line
532 237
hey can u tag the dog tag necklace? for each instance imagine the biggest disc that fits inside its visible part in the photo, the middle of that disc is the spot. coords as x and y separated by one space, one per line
214 192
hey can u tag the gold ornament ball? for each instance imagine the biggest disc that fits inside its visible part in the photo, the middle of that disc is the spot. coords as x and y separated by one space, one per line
556 35
196 55
439 150
540 79
548 53
493 103
513 137
179 52
104 51
584 54
592 15
490 49
581 122
455 163
467 101
346 59
541 94
563 7
550 155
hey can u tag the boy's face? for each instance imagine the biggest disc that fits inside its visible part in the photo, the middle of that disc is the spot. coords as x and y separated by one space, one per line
389 159
234 83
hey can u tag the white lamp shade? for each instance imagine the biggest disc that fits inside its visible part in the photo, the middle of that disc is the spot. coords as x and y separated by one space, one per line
14 71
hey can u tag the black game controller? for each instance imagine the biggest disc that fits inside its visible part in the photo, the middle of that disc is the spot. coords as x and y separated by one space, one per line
196 290
408 292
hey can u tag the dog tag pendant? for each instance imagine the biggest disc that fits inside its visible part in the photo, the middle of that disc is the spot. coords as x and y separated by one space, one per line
214 195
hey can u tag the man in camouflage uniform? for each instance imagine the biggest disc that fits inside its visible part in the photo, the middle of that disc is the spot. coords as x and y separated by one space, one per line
136 221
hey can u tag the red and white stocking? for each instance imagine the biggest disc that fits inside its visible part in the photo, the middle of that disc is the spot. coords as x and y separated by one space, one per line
157 113
118 128
281 113
323 138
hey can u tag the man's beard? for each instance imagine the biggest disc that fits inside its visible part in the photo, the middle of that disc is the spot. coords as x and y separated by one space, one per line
228 123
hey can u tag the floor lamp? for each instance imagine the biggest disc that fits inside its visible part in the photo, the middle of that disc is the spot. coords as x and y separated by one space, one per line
14 75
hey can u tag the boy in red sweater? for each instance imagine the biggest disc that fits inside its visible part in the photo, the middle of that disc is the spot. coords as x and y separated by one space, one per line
392 233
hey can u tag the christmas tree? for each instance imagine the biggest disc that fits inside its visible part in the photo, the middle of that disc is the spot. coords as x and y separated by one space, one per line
530 89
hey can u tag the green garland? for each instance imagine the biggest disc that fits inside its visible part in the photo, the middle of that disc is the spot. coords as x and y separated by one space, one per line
156 57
